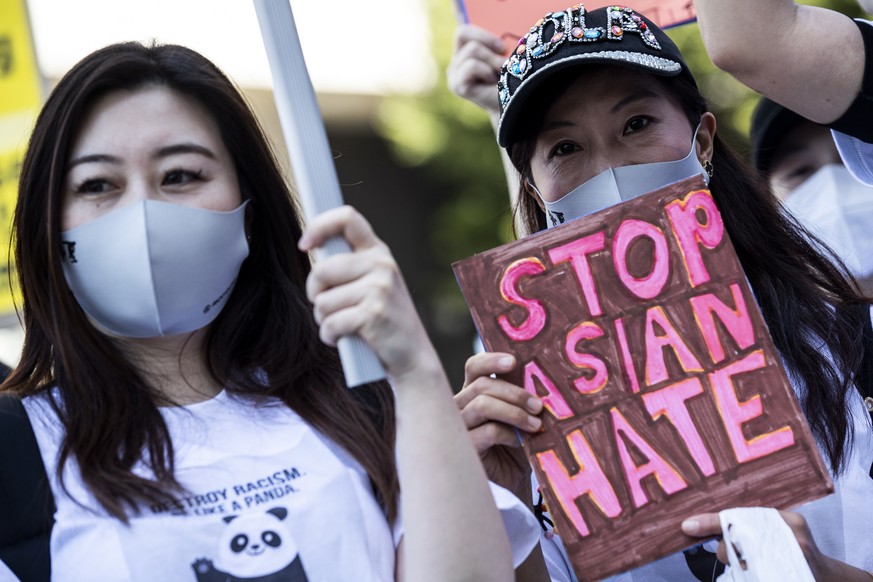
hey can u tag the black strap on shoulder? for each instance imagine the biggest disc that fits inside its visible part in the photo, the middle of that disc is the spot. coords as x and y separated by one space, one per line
703 563
26 504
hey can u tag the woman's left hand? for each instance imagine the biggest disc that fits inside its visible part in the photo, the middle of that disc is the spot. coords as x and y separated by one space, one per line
362 292
708 525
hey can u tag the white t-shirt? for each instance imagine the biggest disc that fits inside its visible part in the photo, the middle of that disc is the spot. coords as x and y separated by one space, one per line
269 499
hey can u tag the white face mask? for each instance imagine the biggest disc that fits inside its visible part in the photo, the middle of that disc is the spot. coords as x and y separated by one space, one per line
839 210
615 185
154 268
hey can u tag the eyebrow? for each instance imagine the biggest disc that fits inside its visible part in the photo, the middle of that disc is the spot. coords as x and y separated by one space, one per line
181 148
184 148
93 158
557 124
640 94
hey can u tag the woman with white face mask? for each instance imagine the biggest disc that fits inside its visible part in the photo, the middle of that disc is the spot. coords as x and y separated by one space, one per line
805 171
187 403
596 108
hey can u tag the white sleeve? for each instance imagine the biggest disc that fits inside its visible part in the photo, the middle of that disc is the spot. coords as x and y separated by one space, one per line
557 561
6 574
857 155
521 526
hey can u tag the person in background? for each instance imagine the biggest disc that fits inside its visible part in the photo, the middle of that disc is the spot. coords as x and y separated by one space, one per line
814 61
805 171
178 367
588 104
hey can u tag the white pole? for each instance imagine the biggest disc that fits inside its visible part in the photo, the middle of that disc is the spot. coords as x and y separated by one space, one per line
311 160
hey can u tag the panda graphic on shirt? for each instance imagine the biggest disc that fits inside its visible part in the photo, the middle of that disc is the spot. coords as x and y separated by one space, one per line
255 547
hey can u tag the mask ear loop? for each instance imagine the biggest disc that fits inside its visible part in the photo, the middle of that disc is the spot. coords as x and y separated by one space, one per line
531 188
705 164
528 185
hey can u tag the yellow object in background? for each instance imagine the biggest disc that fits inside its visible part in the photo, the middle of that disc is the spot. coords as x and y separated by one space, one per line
21 90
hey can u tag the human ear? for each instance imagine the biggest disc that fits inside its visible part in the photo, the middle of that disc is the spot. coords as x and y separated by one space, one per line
705 137
529 189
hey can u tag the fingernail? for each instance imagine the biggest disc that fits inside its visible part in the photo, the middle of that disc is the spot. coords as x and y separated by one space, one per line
506 362
690 526
534 405
534 423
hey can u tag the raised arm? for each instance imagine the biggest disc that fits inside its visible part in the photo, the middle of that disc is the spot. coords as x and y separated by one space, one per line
452 529
809 59
472 74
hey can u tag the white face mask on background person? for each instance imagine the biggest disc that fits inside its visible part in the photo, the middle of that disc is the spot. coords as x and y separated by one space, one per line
155 268
621 184
838 209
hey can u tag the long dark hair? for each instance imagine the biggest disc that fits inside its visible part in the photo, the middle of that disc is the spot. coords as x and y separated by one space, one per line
806 295
265 341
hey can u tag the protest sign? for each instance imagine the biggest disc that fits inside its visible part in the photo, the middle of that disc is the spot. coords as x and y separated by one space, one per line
512 19
663 393
20 99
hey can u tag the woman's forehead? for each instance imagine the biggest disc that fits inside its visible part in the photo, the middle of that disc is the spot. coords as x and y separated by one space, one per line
606 88
135 119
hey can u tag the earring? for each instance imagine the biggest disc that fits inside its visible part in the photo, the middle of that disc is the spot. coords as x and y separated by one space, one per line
708 168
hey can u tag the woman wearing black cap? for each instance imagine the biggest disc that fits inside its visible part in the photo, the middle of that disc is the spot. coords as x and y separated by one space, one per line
592 94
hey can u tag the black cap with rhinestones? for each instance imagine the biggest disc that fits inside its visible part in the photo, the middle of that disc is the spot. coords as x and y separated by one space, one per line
560 40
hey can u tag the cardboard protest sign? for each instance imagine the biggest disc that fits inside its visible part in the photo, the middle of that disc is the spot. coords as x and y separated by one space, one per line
664 395
511 19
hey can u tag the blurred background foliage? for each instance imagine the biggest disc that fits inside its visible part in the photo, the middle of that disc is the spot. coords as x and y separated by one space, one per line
452 141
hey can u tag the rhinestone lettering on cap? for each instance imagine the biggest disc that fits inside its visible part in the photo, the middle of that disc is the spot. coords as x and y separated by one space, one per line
555 28
613 33
570 26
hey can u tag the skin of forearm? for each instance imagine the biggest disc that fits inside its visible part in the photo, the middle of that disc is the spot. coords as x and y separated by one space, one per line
444 485
831 570
735 34
766 45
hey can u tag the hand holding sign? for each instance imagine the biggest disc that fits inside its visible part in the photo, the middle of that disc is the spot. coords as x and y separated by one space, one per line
511 19
493 410
663 393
